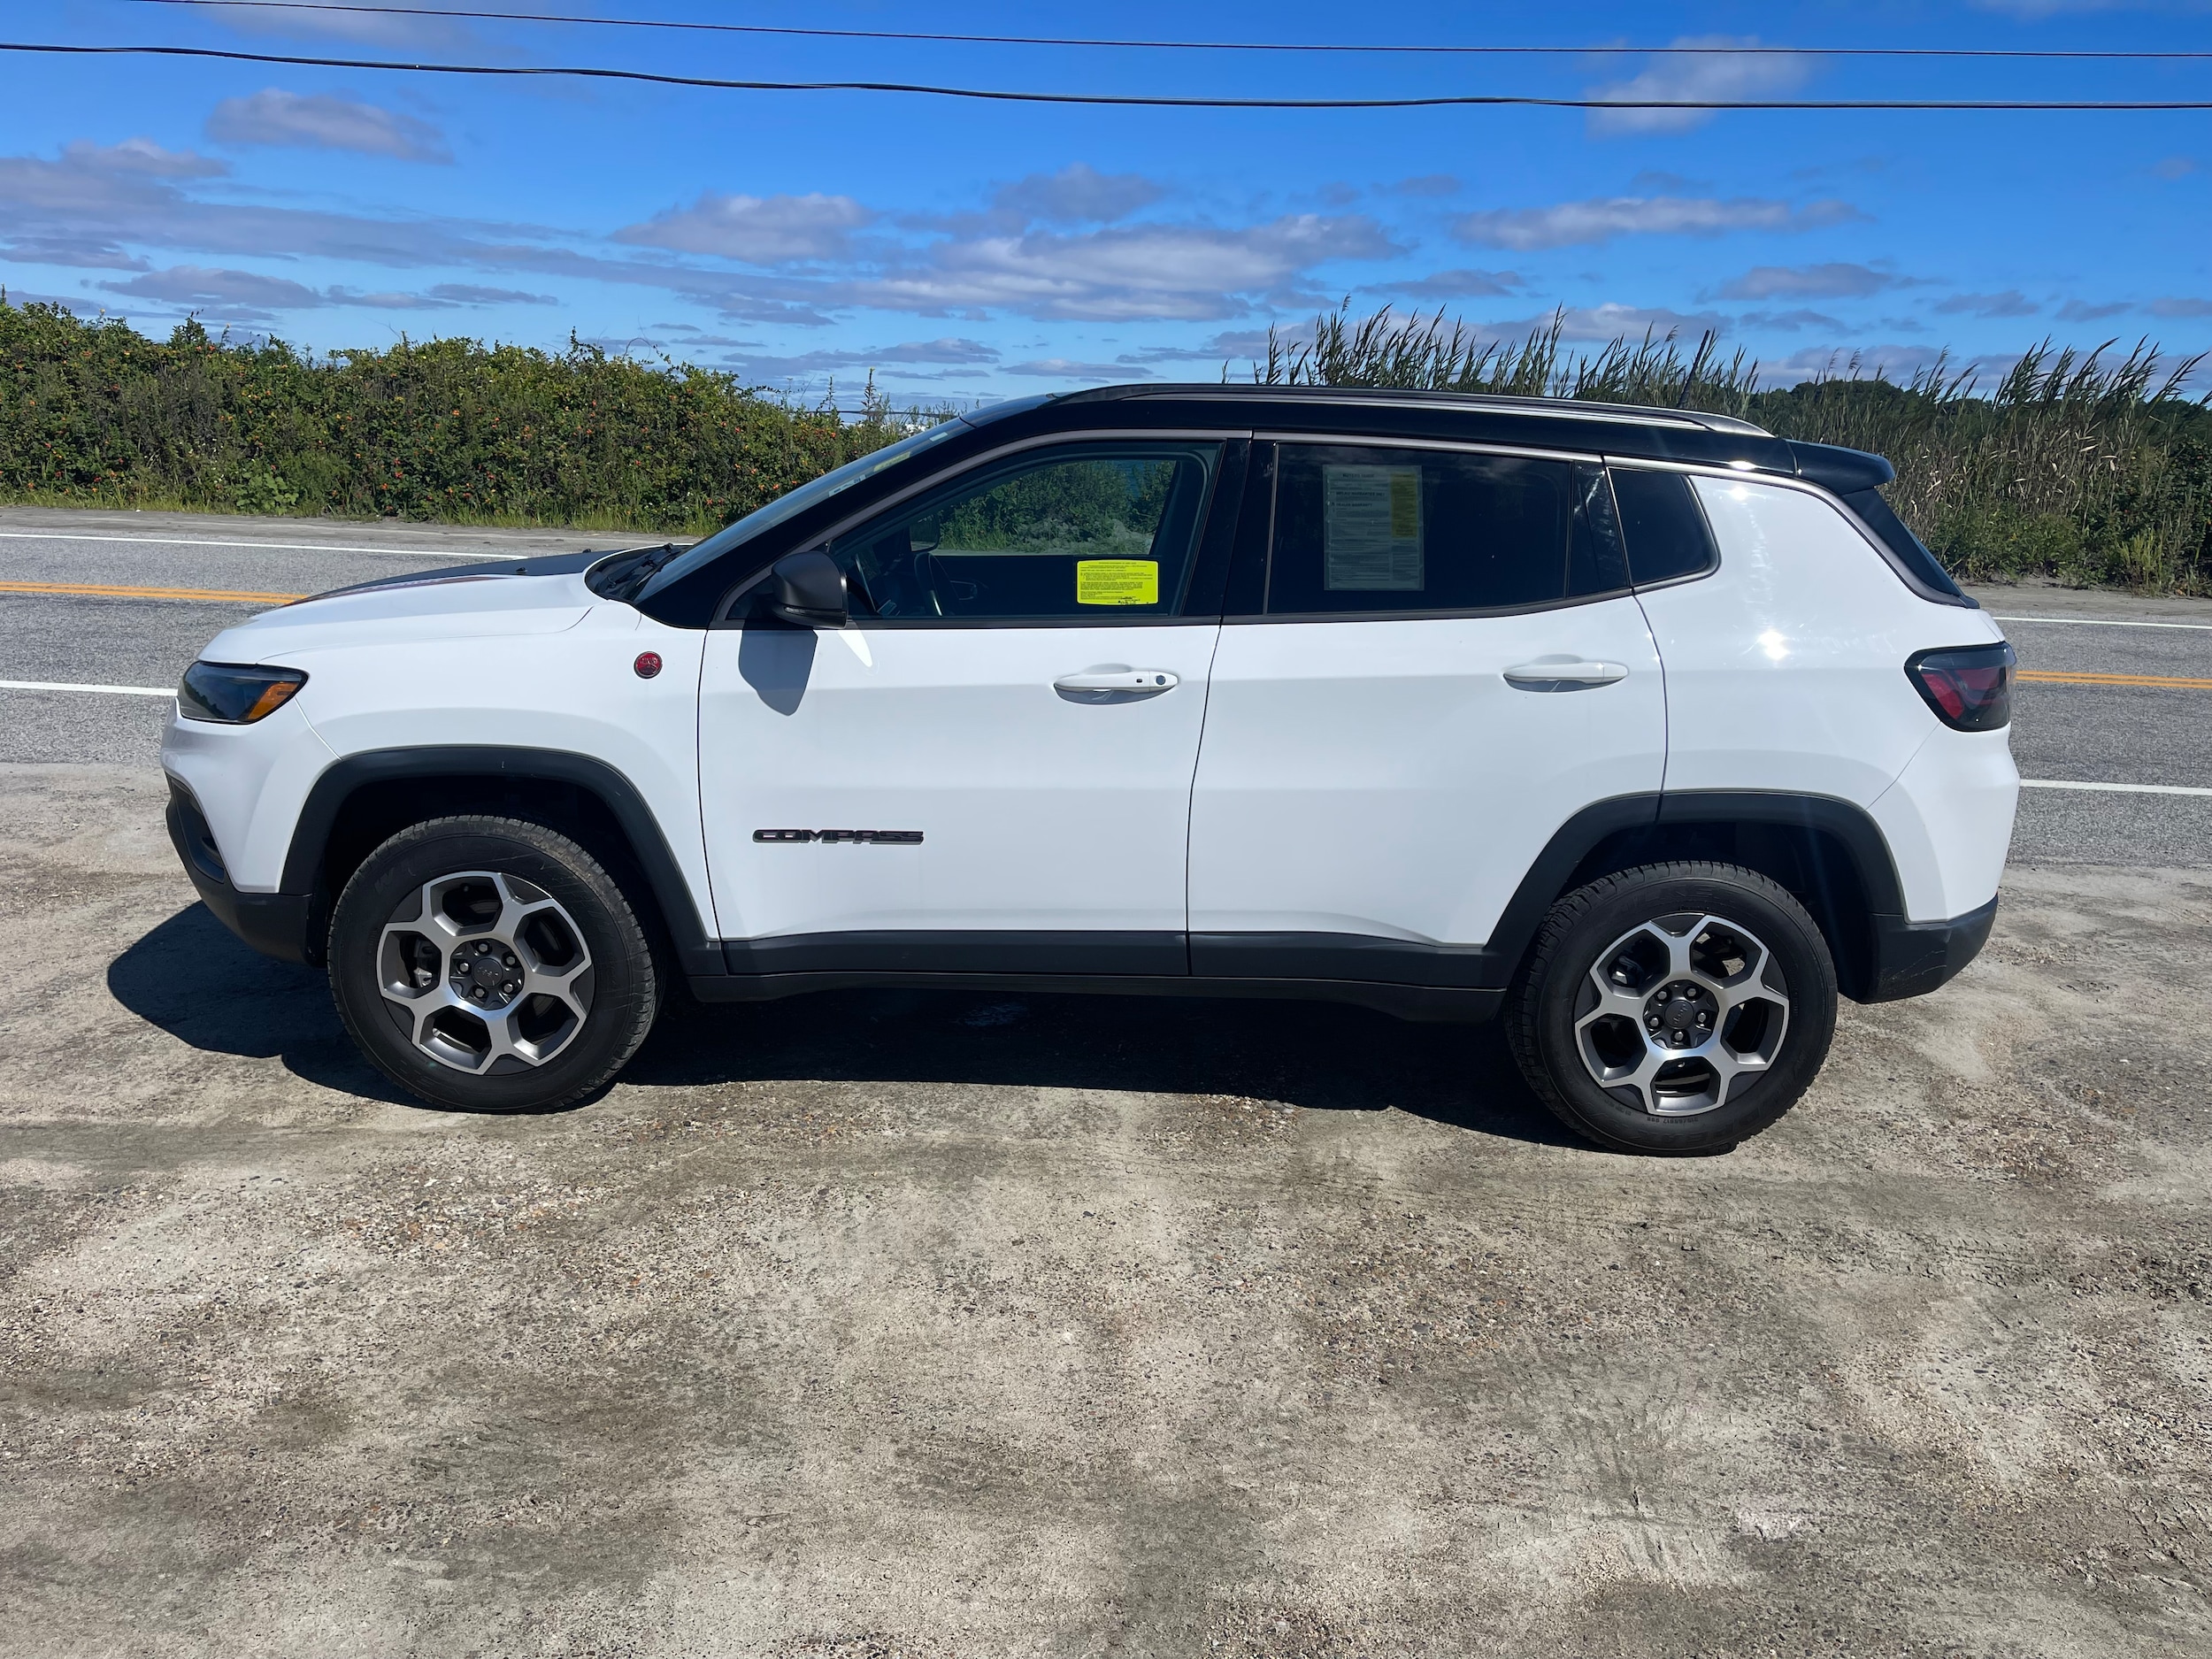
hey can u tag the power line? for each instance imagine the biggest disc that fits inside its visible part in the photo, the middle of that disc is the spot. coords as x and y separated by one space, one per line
1747 50
1122 100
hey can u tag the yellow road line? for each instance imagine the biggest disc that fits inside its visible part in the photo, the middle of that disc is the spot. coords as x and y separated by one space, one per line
95 590
2052 676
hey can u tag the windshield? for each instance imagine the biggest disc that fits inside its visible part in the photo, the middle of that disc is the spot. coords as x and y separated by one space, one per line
795 502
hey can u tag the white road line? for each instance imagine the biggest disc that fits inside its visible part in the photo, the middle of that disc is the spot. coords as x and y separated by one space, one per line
64 685
2107 622
292 547
2115 789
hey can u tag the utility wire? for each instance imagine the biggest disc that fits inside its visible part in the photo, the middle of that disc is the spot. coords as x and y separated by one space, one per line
1746 51
1123 100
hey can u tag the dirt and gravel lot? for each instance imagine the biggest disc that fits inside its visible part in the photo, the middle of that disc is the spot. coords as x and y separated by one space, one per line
920 1325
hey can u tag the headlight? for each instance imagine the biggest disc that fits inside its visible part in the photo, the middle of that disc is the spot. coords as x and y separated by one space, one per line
235 693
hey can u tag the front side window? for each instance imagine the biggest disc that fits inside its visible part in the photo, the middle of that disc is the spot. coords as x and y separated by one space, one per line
1364 531
1081 533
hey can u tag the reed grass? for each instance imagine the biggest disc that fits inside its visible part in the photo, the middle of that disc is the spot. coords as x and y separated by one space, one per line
2085 468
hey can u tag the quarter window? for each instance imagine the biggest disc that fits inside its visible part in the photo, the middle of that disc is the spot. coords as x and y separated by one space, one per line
1089 533
1369 530
1662 525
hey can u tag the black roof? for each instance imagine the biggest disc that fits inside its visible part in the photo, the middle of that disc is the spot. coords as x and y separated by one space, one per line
687 596
1628 431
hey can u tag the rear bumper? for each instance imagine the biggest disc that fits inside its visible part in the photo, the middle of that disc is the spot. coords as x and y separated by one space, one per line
1912 958
274 924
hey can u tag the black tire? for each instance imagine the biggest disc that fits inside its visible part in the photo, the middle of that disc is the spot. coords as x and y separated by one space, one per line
1556 990
614 980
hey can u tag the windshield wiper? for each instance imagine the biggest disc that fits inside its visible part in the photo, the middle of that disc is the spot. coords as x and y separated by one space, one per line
624 577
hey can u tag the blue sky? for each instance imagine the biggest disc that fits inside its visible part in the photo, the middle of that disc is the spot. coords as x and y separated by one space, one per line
963 250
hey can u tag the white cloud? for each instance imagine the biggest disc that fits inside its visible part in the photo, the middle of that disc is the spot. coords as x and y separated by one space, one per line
1077 194
2011 303
243 294
1718 75
2176 307
2083 312
1835 280
948 351
1790 322
142 158
1458 284
1599 219
363 21
1064 369
318 121
1613 321
756 229
1188 272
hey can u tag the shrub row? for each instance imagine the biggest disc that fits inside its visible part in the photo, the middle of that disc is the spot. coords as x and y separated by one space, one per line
2078 467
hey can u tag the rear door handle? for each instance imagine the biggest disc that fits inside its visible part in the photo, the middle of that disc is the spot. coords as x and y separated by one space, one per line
1113 676
1566 672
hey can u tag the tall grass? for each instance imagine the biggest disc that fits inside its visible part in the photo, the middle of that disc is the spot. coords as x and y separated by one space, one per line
2087 467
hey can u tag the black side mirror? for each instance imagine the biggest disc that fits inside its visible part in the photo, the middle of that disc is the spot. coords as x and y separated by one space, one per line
808 588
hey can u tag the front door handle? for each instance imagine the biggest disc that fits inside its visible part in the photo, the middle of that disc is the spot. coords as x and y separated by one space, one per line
1565 672
1115 680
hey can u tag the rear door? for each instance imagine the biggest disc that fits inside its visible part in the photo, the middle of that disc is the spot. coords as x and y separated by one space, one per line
1447 664
989 770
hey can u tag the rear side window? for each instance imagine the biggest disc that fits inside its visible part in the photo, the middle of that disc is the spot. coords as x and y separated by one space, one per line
1905 549
1663 526
1368 531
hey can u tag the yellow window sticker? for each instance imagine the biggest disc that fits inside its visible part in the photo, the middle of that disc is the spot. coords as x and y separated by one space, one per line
1116 581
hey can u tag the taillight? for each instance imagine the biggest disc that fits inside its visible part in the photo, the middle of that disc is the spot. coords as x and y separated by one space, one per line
1970 686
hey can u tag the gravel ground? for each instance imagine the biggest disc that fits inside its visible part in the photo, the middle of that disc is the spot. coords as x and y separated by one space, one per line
947 1326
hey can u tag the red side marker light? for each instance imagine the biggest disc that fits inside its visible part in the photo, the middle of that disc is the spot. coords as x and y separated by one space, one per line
647 665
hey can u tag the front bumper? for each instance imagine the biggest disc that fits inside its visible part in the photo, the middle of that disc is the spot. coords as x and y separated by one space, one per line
1912 958
275 924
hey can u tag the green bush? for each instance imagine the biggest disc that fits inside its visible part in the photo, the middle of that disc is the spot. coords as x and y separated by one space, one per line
2074 466
94 413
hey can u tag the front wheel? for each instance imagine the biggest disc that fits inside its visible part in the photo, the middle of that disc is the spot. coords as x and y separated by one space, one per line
1674 1008
491 964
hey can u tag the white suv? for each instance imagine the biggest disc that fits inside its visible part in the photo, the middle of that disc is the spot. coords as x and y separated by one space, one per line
1648 728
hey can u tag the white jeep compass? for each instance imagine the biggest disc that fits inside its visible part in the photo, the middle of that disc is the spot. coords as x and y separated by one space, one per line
1647 728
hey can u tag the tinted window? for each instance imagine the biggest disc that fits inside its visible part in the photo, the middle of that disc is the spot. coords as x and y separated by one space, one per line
1910 551
1089 533
1375 530
1662 525
793 502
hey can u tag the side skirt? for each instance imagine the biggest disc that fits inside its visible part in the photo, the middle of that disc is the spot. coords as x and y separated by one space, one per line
1455 1005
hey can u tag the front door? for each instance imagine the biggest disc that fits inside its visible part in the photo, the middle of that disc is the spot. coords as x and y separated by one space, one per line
1449 665
989 769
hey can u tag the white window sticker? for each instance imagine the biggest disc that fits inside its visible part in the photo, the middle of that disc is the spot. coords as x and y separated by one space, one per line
1370 529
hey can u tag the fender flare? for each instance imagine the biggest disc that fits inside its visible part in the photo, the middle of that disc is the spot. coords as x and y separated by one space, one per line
318 816
1575 840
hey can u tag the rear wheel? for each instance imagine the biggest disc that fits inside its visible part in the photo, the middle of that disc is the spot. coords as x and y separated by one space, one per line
491 964
1674 1008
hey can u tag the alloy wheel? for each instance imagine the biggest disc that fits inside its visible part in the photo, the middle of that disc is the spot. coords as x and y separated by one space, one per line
484 973
1680 1012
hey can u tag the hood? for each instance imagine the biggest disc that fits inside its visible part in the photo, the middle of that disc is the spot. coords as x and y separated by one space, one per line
507 597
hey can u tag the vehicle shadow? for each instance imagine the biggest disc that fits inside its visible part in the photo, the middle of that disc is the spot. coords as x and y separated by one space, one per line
191 978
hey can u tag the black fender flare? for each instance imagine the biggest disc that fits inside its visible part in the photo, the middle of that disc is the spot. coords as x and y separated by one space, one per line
326 798
1848 823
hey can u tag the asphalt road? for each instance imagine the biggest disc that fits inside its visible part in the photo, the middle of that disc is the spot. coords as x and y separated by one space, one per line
2063 732
935 1325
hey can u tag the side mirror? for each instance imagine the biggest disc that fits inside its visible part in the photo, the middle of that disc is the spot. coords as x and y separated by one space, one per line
808 588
